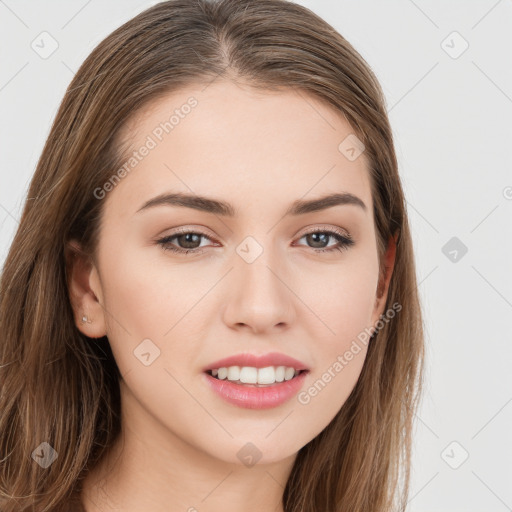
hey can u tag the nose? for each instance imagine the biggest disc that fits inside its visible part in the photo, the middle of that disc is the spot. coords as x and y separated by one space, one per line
259 298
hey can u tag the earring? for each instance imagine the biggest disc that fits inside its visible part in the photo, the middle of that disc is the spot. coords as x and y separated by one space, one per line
85 320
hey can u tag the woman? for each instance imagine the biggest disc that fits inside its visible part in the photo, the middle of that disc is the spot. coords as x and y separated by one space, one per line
210 302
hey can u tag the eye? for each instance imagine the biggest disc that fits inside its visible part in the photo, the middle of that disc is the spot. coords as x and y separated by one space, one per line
186 237
190 239
322 237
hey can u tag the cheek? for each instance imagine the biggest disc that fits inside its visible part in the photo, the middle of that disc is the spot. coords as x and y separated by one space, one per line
341 299
144 292
343 311
329 386
146 299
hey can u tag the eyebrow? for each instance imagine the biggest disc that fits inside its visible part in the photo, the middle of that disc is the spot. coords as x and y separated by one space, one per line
218 207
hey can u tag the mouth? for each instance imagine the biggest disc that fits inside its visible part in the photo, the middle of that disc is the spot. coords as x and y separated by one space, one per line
255 377
256 387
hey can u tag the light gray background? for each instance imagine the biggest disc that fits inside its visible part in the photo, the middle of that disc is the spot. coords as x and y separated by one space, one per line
451 120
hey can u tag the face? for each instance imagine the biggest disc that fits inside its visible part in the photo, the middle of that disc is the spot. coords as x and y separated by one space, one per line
261 274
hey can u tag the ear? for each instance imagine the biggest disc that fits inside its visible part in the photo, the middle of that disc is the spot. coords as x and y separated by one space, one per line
84 288
384 280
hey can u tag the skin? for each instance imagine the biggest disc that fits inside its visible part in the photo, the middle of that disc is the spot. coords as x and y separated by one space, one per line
259 151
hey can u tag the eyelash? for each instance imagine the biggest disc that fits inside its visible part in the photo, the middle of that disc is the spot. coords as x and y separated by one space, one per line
344 241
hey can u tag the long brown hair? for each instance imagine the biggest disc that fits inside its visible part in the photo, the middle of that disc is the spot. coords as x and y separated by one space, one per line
58 387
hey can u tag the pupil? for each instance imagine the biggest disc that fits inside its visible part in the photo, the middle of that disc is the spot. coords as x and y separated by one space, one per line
187 237
316 236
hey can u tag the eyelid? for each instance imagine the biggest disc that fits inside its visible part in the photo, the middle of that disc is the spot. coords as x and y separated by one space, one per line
188 229
319 227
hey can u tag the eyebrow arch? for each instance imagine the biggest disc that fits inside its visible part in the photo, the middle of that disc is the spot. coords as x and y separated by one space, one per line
215 206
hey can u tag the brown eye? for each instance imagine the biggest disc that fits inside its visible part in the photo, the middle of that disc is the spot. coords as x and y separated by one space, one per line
187 242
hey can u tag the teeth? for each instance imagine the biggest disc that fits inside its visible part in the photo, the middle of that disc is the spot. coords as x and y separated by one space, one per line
233 373
252 375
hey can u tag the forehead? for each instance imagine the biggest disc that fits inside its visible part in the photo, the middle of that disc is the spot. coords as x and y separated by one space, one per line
232 141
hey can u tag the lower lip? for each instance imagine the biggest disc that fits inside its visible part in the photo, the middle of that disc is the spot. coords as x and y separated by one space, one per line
252 397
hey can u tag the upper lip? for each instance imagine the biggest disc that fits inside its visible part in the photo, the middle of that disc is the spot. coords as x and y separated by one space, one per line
257 361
